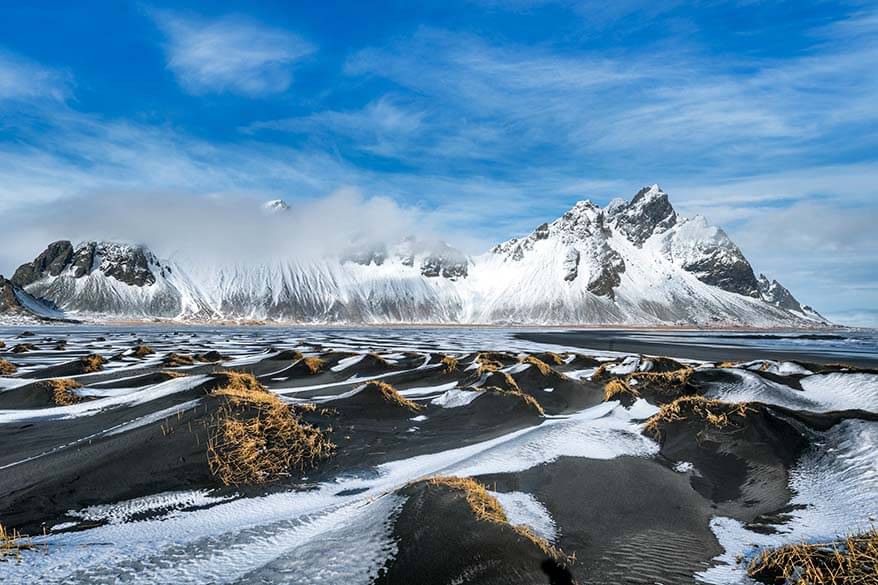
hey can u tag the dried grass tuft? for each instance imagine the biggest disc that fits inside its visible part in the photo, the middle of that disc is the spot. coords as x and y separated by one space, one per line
847 561
12 543
488 363
23 347
727 364
390 394
673 378
544 368
314 364
715 412
142 351
553 357
450 363
7 368
63 391
615 389
487 508
528 400
92 363
175 360
2 345
599 372
256 438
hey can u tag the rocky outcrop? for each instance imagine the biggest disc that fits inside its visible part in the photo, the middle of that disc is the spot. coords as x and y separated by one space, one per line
9 303
129 264
51 262
649 213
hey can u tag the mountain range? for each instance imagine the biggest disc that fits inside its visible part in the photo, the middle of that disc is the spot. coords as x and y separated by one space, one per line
630 262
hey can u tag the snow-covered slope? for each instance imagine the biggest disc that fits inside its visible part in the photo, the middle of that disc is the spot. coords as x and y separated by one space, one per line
631 262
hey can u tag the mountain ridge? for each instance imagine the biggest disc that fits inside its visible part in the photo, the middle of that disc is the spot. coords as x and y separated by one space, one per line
631 262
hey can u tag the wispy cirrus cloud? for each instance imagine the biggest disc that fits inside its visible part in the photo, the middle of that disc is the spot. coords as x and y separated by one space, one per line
230 54
22 79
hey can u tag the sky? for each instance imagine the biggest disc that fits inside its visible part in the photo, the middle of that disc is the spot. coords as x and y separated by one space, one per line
477 119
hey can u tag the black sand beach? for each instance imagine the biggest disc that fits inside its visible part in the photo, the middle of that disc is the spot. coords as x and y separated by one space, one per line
176 446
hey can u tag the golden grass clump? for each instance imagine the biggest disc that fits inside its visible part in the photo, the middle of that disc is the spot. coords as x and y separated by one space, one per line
174 360
2 344
450 363
553 357
92 363
615 389
544 368
390 394
23 347
257 438
678 377
142 351
12 543
599 372
314 364
715 412
847 561
244 388
529 400
63 391
487 508
726 364
487 363
7 368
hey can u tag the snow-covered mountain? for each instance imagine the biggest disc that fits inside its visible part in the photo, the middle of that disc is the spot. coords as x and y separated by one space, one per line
633 262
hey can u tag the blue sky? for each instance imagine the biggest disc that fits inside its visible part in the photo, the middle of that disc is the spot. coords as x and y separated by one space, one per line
486 117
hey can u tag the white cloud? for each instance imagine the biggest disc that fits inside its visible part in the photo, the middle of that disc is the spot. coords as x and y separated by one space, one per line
230 54
22 79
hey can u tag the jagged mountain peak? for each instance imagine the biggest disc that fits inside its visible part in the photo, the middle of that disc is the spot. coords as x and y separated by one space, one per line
648 213
275 206
632 261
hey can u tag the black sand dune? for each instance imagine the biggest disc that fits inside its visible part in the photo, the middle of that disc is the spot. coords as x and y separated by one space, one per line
141 414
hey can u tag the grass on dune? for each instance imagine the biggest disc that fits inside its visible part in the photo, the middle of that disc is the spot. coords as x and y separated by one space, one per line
527 399
257 438
679 377
7 368
63 391
544 368
12 543
616 388
852 560
450 364
175 360
23 347
486 508
92 363
142 351
599 372
553 357
716 413
488 362
391 395
314 364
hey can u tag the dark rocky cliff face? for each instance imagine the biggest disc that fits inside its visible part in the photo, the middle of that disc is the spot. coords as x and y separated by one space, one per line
52 261
129 264
775 293
734 275
9 302
648 213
